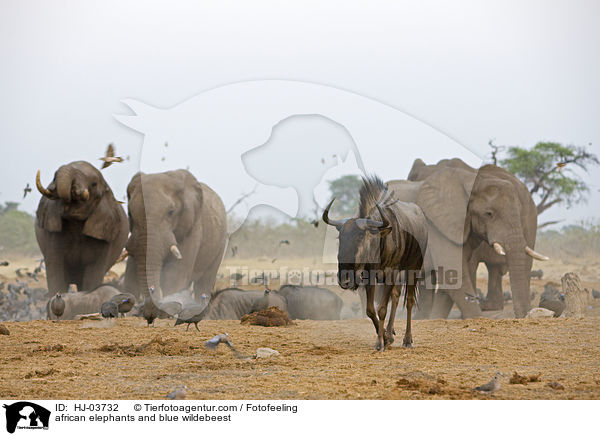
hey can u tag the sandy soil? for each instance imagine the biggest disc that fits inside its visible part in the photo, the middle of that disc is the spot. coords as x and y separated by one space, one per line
318 360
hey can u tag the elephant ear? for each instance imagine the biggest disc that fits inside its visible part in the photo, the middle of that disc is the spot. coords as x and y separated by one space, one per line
444 198
104 220
49 215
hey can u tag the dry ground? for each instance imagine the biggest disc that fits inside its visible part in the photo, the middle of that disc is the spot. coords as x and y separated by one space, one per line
319 360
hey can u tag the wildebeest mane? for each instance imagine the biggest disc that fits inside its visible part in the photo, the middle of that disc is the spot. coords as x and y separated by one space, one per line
372 191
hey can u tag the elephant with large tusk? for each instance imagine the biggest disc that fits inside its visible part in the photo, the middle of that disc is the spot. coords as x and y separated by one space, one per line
80 227
474 215
178 235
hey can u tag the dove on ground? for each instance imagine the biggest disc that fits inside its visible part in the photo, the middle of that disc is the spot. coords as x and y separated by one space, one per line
178 394
492 386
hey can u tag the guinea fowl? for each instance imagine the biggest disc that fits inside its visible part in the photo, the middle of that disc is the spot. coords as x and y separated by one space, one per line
57 305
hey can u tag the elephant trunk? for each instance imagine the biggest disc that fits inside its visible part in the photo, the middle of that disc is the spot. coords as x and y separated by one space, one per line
64 180
519 267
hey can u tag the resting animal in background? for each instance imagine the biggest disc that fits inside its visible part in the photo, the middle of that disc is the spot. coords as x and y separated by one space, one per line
536 274
80 303
79 226
311 302
387 236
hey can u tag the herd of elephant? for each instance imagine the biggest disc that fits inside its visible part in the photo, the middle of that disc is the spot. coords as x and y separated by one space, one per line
175 232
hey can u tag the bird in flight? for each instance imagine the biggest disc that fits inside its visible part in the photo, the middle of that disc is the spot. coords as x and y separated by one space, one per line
26 191
110 158
560 165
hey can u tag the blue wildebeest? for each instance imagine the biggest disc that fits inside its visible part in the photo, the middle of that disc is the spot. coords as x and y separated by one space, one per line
386 238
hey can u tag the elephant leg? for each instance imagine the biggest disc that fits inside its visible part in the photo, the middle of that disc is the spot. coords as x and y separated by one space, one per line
206 282
494 299
92 277
442 304
467 304
381 313
55 275
425 306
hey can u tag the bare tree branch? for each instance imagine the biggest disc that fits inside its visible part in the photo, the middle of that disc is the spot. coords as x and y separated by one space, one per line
548 223
242 198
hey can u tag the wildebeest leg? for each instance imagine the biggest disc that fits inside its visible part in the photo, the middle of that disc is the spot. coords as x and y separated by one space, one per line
410 300
370 291
382 312
389 334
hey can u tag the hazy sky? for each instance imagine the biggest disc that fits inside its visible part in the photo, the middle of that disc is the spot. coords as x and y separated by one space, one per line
517 72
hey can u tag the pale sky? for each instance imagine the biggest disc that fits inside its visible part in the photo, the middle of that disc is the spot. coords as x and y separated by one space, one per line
517 72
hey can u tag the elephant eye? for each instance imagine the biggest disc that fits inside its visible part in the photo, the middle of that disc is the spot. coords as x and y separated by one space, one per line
489 214
94 185
171 212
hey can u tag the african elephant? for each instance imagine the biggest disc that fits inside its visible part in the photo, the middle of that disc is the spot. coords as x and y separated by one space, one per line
178 234
80 227
474 214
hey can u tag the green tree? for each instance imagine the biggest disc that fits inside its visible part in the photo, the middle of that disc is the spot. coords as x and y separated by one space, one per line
16 231
547 171
345 189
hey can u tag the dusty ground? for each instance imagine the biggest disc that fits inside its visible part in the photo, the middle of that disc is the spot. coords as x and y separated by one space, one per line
319 360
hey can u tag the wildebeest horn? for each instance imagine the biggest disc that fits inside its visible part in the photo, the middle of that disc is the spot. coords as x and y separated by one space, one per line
336 223
45 192
499 249
535 255
175 251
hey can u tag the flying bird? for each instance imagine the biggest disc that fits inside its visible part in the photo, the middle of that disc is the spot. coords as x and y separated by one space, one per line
213 343
560 165
19 273
26 191
110 158
492 386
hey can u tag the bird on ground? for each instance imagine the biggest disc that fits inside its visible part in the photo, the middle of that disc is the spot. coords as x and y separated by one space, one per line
19 273
109 309
492 386
110 158
284 242
507 296
178 394
168 309
57 305
223 338
26 190
124 302
191 314
234 250
536 274
595 294
2 285
315 223
4 263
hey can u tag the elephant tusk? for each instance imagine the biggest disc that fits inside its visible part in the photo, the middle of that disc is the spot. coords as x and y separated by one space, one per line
535 255
122 256
85 195
45 192
499 249
175 251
